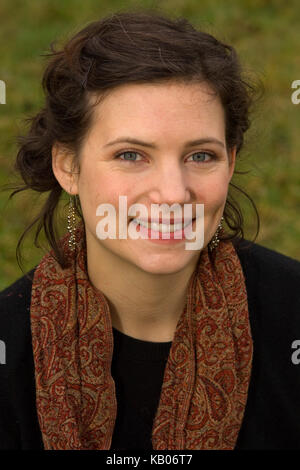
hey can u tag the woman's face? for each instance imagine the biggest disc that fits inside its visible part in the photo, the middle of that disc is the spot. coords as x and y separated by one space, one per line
169 171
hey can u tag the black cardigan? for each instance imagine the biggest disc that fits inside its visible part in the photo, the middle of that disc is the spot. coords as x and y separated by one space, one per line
272 414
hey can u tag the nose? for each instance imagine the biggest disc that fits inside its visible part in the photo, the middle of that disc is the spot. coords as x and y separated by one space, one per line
170 185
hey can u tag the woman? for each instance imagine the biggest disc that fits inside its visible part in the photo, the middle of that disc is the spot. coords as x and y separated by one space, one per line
128 342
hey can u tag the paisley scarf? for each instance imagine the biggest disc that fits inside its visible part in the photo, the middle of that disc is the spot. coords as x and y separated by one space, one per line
207 374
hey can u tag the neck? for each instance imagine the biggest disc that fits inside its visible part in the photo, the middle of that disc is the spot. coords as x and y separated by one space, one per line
142 305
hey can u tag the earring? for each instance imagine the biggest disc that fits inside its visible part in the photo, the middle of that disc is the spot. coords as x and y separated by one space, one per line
71 224
215 239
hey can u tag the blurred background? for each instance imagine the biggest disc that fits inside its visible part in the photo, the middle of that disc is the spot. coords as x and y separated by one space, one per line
266 34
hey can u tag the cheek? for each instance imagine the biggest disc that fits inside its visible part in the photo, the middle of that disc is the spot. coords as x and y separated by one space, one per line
213 192
99 188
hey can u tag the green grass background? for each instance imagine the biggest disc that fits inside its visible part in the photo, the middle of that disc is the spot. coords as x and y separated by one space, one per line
266 34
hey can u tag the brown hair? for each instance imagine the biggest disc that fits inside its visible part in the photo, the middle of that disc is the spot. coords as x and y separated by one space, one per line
125 47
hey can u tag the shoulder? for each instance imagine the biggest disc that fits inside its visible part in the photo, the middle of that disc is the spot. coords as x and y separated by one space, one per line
15 317
268 268
253 252
21 288
15 298
18 419
273 289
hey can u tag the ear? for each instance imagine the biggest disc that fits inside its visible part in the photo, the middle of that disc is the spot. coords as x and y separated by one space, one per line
63 168
232 160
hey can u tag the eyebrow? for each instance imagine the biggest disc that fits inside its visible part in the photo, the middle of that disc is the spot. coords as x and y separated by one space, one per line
191 143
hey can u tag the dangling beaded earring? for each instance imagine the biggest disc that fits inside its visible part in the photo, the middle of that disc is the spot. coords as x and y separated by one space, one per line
215 239
71 224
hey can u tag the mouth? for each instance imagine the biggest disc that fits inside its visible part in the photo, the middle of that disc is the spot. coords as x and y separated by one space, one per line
163 225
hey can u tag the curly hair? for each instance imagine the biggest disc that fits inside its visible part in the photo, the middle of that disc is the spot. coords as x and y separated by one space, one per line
125 47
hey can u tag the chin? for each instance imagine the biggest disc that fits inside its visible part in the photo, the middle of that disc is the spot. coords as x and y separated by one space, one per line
172 265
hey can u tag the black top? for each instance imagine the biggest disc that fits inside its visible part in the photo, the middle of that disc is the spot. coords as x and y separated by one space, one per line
272 414
137 369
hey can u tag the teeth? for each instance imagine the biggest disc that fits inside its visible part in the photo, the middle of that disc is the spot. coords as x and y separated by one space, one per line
163 228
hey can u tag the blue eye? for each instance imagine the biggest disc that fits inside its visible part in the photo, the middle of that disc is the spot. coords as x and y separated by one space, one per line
131 156
203 154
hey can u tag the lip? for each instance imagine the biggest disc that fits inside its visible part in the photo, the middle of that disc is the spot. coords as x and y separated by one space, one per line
162 220
166 241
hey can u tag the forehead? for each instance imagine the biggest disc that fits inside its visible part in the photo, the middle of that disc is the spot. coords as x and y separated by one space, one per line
159 108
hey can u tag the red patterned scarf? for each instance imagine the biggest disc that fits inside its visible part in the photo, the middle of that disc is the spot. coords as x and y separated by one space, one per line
207 374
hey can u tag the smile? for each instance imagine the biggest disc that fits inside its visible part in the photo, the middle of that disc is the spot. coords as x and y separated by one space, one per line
162 227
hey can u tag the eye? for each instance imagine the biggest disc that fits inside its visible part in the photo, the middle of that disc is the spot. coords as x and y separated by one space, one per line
129 156
200 156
